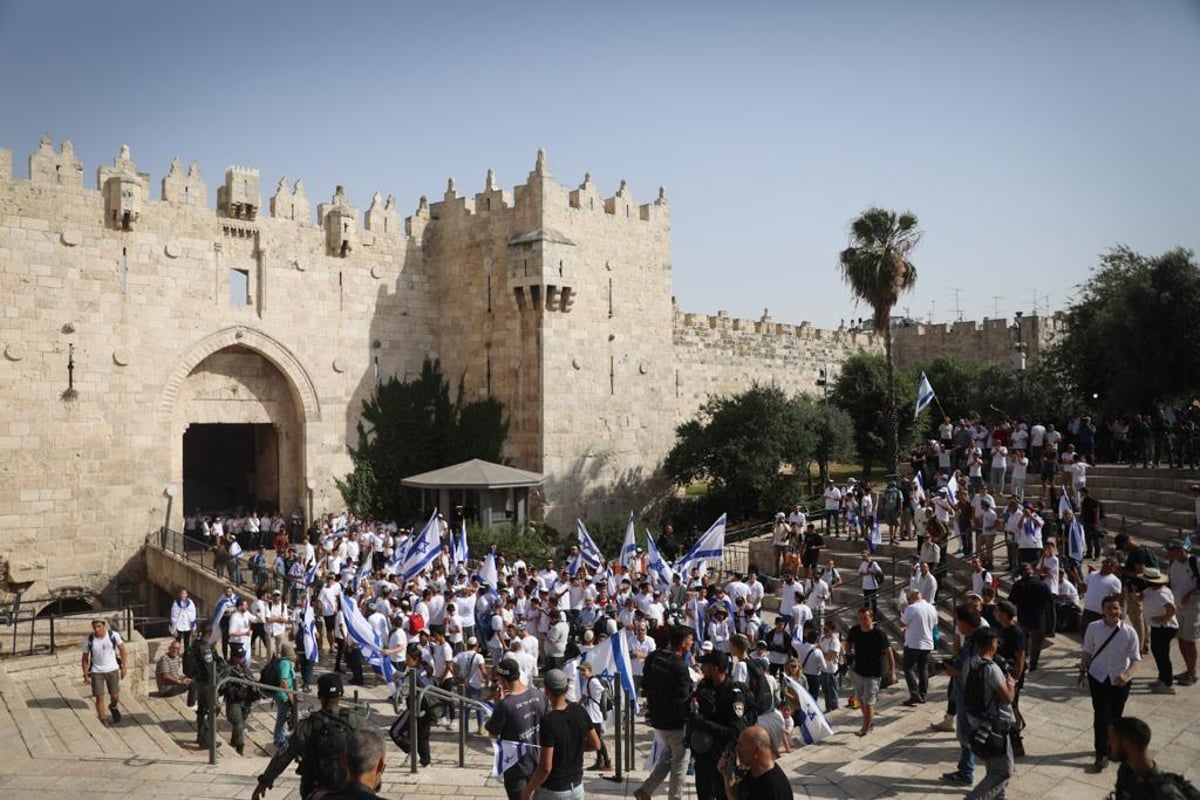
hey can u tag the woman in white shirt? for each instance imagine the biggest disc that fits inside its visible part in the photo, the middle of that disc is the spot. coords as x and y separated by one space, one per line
1158 607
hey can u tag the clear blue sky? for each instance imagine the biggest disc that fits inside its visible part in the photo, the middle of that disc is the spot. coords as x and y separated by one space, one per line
1028 136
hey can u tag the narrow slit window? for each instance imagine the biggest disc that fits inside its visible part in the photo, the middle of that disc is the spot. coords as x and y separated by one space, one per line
239 287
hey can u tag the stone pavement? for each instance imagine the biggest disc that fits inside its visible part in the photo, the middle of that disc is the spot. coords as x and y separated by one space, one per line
56 746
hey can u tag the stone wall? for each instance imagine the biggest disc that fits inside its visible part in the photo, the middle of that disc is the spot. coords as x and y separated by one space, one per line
994 341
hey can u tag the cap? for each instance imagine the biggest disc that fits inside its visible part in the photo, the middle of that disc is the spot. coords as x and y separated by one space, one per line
1173 544
330 686
509 670
471 642
277 592
556 680
287 650
716 658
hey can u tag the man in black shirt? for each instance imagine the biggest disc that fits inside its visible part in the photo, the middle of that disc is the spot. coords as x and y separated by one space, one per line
870 649
763 779
1035 608
813 542
668 688
565 733
716 719
515 718
1013 641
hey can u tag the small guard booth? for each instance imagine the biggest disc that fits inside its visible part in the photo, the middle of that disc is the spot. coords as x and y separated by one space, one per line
491 493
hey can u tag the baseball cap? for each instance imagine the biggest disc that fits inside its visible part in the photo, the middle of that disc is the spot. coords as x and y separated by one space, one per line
330 686
509 670
556 680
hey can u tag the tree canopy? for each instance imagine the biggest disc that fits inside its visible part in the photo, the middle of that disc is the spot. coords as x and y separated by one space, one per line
1133 337
739 445
860 390
412 427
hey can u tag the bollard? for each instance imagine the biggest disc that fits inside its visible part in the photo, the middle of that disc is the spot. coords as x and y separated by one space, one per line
463 720
412 721
618 707
53 646
211 689
630 719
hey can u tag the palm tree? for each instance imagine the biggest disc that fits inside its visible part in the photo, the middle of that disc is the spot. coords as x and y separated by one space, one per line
876 268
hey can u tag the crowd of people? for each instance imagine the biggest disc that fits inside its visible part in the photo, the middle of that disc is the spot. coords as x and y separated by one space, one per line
717 675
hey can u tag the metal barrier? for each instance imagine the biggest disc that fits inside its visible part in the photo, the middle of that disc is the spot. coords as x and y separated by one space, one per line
46 633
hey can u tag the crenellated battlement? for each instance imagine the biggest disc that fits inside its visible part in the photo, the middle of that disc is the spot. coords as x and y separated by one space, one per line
992 340
766 327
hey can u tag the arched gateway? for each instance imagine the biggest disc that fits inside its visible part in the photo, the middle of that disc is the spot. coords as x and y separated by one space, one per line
238 404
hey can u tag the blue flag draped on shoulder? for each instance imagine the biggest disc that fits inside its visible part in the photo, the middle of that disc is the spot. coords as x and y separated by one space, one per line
423 549
925 395
610 661
587 546
367 639
218 612
506 754
308 624
709 546
629 546
660 571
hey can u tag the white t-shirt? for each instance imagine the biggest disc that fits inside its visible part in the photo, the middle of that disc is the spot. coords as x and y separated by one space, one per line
239 627
833 498
919 619
103 652
1154 604
871 572
1100 586
1079 474
831 648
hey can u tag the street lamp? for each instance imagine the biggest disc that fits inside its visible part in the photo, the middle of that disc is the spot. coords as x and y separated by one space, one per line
311 483
823 384
170 491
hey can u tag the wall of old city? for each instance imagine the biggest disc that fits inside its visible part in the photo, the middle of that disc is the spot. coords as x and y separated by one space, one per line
994 341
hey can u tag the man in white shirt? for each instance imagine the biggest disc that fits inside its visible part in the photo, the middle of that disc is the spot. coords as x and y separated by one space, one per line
329 603
240 622
833 508
918 621
104 664
640 646
1100 585
1029 536
1111 655
183 618
277 622
1184 573
469 666
925 582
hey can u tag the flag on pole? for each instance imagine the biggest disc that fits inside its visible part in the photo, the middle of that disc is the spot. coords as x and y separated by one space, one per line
1065 504
367 639
918 493
1075 542
488 574
310 574
629 546
458 548
423 549
587 546
218 612
814 727
506 754
610 661
952 488
925 395
660 570
308 624
710 545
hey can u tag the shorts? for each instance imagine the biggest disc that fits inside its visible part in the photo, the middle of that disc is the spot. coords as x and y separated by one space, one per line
106 683
865 689
1189 622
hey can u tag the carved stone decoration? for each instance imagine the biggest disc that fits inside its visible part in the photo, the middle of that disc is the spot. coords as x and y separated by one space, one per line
122 356
339 364
376 272
72 236
172 250
643 367
576 363
299 265
14 351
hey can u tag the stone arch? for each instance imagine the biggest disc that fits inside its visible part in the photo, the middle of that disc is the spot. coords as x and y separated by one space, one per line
272 350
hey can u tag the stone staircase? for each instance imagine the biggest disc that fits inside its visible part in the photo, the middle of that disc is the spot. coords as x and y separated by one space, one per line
1151 504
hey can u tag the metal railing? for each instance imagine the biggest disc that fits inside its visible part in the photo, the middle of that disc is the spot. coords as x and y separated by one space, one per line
34 634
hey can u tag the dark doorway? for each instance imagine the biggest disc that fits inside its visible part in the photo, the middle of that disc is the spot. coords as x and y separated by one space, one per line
230 466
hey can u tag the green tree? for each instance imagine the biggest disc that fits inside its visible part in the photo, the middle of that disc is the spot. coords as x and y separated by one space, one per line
411 427
877 269
858 390
831 432
955 382
1133 337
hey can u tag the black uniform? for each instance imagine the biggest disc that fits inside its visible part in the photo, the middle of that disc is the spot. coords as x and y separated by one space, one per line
330 728
717 719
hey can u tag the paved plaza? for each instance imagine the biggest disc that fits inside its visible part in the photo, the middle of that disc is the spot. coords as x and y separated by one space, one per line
57 746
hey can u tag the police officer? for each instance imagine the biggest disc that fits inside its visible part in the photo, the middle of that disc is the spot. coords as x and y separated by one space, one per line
198 664
716 719
319 741
239 697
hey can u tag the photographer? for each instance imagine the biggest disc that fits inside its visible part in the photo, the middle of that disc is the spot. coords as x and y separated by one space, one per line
989 693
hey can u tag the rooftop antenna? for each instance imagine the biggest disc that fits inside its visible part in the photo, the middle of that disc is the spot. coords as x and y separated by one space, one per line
931 307
996 298
958 312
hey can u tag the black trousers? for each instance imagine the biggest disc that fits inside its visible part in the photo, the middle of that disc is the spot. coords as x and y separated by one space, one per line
1108 703
709 783
916 672
1160 647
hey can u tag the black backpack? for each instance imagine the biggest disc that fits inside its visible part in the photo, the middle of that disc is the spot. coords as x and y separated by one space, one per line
758 688
323 750
975 690
236 691
112 638
269 676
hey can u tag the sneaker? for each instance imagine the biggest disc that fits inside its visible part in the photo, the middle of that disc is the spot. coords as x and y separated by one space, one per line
116 713
1162 689
1100 764
911 702
946 725
1155 685
1185 679
958 779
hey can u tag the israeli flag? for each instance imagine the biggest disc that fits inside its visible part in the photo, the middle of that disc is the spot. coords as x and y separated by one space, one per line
1075 542
423 549
918 492
952 489
1065 504
587 546
507 754
876 538
814 726
925 395
367 639
218 612
710 545
629 546
610 661
658 751
488 575
310 574
660 571
459 549
308 625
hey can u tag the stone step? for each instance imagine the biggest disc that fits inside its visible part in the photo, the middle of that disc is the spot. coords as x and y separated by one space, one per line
1143 479
1150 512
1160 473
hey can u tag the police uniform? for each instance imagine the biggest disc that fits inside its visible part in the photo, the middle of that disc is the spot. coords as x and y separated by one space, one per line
200 654
311 779
717 719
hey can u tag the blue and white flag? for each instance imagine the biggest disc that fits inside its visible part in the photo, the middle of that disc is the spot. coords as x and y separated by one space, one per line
488 575
218 612
610 661
459 548
813 726
1064 503
710 545
507 753
918 492
310 574
629 546
367 639
876 538
308 625
587 546
660 570
658 751
423 549
952 489
925 395
1075 543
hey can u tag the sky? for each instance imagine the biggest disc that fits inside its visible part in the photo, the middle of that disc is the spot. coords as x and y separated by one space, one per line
1028 137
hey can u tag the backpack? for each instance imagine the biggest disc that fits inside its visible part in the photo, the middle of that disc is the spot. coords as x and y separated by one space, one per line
322 753
240 692
1174 785
416 623
269 676
975 692
112 637
606 701
1191 560
758 689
